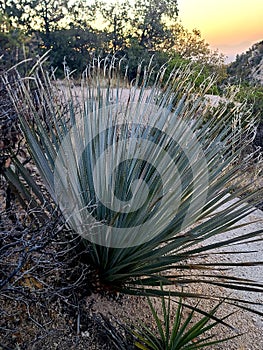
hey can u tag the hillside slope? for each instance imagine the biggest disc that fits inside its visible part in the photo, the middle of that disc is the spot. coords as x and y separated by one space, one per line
248 67
247 70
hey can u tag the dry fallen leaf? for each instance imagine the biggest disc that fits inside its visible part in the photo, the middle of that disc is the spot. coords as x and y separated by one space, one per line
7 163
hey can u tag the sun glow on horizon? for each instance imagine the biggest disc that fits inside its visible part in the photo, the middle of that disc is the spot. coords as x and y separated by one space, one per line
232 26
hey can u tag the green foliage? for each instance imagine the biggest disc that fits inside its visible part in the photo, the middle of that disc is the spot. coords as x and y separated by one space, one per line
137 261
117 16
180 332
73 47
45 16
11 43
15 44
254 97
136 54
200 75
149 24
138 30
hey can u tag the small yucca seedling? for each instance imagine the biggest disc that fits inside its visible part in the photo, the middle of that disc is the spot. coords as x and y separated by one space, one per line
179 332
172 328
140 174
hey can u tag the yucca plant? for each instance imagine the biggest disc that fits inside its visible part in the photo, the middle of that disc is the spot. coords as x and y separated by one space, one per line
180 332
140 173
174 326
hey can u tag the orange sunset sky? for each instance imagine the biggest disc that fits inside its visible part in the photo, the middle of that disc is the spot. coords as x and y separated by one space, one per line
232 26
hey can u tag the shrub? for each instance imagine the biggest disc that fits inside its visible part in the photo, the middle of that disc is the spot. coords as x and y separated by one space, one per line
142 179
